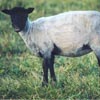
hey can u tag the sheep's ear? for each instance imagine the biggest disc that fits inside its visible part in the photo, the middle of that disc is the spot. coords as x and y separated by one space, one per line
6 11
29 10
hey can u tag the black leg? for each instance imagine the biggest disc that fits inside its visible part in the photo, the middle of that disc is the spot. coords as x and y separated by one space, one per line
48 64
45 72
52 73
98 58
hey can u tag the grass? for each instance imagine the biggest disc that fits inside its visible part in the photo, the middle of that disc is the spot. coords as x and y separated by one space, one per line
21 72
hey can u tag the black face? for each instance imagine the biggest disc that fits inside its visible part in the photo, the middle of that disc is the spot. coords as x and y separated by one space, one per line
18 20
19 17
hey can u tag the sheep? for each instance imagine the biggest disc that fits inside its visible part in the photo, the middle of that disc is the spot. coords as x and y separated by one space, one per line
70 34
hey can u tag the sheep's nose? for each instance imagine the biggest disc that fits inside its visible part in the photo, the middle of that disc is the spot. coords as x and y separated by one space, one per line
15 26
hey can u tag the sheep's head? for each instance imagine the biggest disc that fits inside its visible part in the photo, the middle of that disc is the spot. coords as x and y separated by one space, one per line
18 16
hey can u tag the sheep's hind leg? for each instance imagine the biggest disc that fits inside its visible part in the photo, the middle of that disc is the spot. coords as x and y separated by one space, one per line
97 53
95 46
98 58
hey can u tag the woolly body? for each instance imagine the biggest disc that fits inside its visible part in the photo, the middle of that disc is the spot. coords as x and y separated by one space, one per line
69 31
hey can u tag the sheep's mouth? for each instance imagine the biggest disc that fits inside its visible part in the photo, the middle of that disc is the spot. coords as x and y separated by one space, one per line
17 29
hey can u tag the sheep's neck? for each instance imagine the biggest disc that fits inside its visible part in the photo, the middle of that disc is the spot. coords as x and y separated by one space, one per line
27 26
25 31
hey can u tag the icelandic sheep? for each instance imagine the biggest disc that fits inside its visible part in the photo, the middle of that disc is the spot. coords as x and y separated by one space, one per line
70 34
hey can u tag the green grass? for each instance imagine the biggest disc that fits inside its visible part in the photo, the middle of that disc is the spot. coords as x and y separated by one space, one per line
21 72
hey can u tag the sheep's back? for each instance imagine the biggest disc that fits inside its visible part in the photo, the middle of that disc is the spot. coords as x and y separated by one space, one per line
69 31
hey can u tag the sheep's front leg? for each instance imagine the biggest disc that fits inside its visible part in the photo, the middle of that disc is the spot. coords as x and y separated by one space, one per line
48 64
52 72
45 72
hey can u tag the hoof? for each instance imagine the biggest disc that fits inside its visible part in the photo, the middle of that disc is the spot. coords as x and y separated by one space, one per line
53 83
44 84
62 84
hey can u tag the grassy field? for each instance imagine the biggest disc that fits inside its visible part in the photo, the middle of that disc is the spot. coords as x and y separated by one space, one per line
21 72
